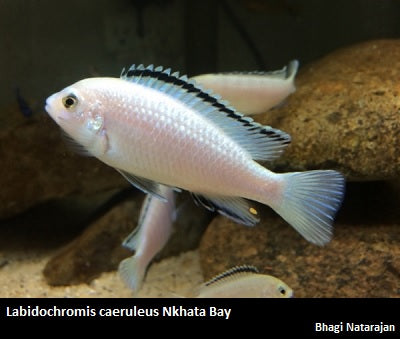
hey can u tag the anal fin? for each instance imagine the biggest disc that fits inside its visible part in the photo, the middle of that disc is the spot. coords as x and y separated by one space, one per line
234 208
145 185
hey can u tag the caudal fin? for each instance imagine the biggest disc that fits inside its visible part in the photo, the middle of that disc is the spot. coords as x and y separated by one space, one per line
132 272
310 201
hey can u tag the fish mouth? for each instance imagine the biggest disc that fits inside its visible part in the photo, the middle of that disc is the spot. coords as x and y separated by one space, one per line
49 102
47 105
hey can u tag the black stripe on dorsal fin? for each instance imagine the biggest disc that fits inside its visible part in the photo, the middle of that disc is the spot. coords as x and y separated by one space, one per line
232 272
262 142
288 72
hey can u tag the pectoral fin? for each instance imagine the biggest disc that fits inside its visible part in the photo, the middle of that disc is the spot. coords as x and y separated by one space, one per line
74 146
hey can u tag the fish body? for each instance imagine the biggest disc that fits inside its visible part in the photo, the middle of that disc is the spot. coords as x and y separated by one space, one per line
150 236
244 282
157 128
252 92
153 136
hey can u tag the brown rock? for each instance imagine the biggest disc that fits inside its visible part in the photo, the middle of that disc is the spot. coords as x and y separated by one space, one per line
345 114
361 261
96 250
37 166
53 223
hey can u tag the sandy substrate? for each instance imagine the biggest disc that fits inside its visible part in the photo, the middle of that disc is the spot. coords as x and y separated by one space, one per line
21 276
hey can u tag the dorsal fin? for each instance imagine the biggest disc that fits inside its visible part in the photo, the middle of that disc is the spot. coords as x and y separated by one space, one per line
232 273
262 142
288 72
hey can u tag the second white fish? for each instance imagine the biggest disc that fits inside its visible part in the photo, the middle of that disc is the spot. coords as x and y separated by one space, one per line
151 234
252 92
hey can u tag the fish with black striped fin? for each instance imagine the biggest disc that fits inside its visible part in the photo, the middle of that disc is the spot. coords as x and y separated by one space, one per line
243 282
159 128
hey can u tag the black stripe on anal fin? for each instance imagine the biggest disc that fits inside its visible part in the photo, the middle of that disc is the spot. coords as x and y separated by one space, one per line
234 208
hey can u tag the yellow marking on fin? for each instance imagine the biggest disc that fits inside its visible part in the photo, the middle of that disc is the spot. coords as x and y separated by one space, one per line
253 211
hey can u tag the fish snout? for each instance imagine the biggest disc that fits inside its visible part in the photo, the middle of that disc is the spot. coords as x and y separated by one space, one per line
49 103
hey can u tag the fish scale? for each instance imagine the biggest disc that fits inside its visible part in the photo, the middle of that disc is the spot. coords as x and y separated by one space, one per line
151 151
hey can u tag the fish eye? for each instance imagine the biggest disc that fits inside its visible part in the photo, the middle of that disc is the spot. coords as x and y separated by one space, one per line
70 101
282 290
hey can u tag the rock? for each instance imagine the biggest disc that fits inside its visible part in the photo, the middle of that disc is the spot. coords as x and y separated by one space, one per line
345 114
361 261
98 249
37 166
53 223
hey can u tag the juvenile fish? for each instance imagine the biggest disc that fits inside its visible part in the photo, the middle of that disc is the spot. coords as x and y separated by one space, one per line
150 236
252 92
244 282
156 127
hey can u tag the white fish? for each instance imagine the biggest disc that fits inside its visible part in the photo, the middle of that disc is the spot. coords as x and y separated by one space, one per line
153 231
244 282
252 92
156 127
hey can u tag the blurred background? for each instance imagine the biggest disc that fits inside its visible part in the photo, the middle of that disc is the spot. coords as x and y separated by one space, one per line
47 45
